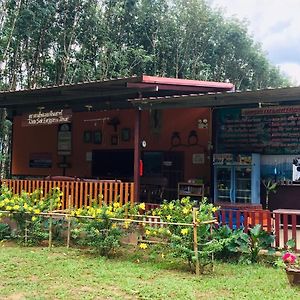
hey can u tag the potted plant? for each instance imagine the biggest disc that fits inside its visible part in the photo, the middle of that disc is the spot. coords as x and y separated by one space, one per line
292 268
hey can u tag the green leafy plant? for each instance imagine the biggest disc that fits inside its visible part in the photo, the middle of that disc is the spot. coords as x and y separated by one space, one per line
259 239
270 187
234 243
5 231
181 237
25 208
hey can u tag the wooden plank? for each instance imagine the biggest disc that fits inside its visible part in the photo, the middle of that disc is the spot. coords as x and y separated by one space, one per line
75 191
277 229
67 193
105 195
294 230
121 193
126 193
95 193
116 192
92 198
100 195
229 213
85 193
285 228
29 186
246 217
110 193
238 219
132 194
269 221
81 194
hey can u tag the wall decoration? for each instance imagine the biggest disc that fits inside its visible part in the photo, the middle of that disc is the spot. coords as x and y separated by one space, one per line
40 160
193 138
87 136
175 139
64 139
125 134
114 139
97 137
155 121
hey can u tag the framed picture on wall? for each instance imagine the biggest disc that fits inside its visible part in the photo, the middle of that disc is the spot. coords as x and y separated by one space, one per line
87 136
114 140
97 137
125 134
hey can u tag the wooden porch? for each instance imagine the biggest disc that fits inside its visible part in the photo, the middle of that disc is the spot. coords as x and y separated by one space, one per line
78 193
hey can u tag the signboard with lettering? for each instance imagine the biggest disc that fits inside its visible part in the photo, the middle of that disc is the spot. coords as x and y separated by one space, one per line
64 139
51 117
272 130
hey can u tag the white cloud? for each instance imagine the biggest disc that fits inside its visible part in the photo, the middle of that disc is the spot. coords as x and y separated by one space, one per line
273 23
292 70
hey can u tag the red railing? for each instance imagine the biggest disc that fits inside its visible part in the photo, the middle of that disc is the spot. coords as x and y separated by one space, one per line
284 225
78 193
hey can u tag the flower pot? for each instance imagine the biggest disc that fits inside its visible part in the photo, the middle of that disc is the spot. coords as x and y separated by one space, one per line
293 276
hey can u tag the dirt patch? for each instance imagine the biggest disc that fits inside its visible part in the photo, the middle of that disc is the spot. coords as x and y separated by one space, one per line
16 296
104 292
213 294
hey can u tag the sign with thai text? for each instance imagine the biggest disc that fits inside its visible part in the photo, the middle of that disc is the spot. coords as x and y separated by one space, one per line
280 110
271 130
51 117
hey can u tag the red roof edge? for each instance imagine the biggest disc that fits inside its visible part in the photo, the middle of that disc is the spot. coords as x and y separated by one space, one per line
187 82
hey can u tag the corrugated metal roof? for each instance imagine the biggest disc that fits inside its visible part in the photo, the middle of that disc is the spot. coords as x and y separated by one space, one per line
214 99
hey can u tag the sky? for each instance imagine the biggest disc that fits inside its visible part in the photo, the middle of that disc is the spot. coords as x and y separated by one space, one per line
275 24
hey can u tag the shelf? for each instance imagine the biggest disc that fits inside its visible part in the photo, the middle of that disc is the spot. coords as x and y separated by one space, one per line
243 190
190 194
186 189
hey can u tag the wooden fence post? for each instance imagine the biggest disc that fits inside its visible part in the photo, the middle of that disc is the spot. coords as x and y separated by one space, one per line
69 223
195 225
50 225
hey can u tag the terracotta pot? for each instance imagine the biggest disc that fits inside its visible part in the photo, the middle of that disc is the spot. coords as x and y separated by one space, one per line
293 276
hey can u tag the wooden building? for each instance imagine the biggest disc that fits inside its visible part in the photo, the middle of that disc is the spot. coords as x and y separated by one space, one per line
93 132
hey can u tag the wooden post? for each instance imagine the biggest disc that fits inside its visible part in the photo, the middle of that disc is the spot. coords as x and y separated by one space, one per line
50 225
26 232
196 241
69 224
137 154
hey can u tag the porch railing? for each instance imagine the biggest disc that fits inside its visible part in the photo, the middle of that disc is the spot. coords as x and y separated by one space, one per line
284 226
78 193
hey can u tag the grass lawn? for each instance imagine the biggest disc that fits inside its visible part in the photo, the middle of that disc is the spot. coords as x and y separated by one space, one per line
37 273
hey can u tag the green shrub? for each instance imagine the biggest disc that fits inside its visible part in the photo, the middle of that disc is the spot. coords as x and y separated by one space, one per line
5 231
180 237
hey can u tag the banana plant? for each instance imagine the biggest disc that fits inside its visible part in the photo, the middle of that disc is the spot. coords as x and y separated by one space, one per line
270 186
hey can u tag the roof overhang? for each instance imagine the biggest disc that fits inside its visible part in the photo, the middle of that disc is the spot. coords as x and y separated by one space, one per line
278 96
106 94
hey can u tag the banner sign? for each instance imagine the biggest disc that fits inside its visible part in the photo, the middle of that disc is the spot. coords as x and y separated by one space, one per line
282 110
271 130
51 117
